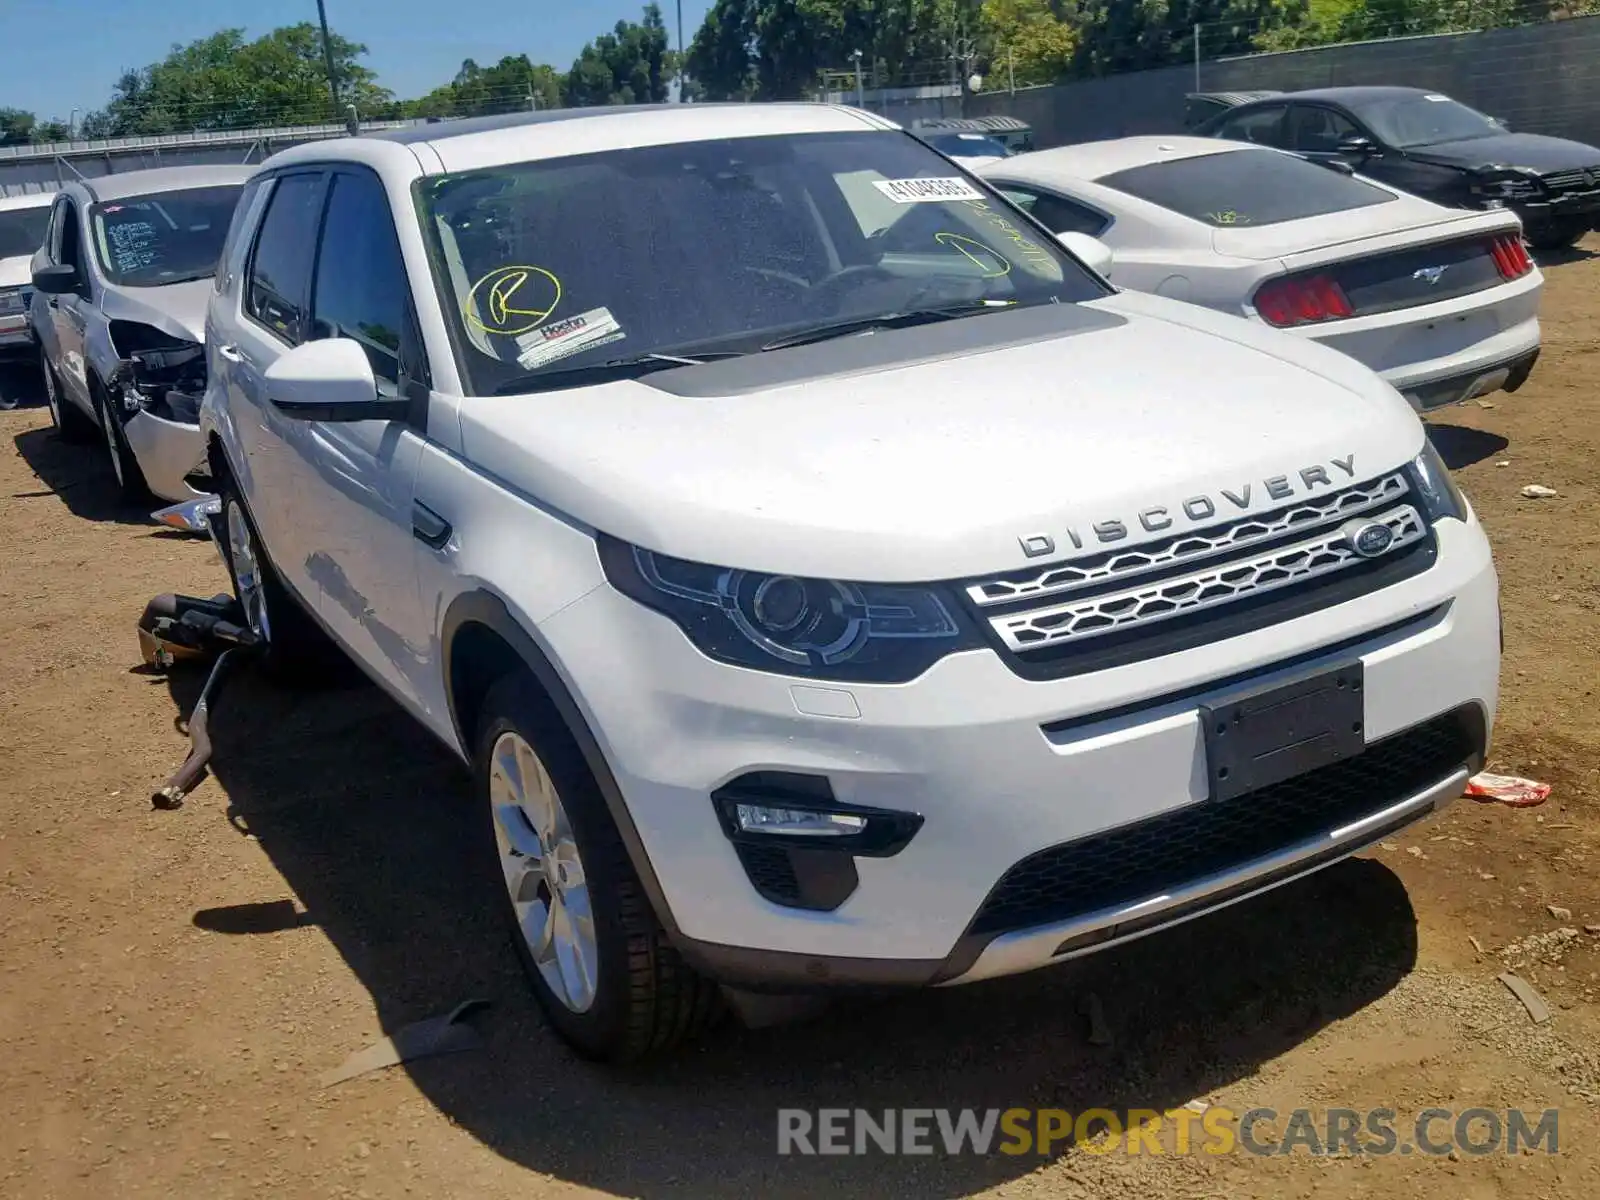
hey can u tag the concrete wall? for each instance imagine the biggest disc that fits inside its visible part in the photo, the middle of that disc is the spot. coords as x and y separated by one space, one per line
1540 78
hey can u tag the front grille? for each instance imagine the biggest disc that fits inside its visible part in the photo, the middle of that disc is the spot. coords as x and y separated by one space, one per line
1148 599
1146 859
1579 179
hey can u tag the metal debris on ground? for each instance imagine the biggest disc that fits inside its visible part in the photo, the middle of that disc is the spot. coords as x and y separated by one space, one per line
448 1034
1538 1010
1537 491
1508 789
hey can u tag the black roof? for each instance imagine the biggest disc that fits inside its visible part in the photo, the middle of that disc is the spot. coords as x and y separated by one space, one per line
1355 95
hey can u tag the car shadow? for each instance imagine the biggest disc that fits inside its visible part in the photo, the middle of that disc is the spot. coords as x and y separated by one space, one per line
1461 446
79 475
370 825
21 385
1566 255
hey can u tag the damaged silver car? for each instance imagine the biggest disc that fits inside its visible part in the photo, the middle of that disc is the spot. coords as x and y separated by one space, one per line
118 310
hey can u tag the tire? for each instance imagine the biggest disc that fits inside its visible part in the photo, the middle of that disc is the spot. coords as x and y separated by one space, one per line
65 417
295 649
131 484
1559 238
638 997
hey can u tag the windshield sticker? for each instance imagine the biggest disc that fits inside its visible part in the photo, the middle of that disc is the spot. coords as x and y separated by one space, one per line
133 246
988 261
569 336
512 300
927 191
1228 216
1029 249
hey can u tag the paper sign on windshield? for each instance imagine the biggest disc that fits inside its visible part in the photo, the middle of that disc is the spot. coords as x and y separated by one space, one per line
560 339
925 191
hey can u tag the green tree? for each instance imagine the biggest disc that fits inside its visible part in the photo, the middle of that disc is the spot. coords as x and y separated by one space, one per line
479 91
224 82
19 127
626 66
1025 41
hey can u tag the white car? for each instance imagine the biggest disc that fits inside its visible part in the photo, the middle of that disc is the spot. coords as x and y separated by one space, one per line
1443 303
820 604
119 296
22 224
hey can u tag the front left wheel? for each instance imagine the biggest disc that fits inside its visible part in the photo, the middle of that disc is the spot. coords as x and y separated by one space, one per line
600 964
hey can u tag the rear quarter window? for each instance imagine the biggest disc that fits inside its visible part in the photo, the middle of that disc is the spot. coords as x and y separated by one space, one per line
1246 187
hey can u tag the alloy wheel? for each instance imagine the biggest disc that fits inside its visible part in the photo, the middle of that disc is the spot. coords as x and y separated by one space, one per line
247 572
543 872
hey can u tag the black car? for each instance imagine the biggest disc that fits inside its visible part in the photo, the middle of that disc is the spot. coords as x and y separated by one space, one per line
1428 144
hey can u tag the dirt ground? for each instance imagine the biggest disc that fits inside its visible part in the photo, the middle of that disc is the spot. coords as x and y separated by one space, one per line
173 984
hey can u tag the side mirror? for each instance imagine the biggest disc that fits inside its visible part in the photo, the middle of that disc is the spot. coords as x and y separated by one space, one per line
329 380
58 280
1092 252
1359 146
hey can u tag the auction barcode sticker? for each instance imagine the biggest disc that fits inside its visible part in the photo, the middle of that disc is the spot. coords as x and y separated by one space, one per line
561 339
923 191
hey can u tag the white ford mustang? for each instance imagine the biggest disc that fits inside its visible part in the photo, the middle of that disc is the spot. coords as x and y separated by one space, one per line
1443 303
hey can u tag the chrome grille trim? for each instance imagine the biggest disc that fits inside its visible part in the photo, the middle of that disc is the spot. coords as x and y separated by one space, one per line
1192 547
1573 179
1195 591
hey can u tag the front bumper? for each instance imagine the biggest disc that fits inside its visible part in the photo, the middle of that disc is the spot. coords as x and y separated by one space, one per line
1000 769
167 451
1567 208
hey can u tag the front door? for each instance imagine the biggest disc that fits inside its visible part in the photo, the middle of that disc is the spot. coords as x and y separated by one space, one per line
362 474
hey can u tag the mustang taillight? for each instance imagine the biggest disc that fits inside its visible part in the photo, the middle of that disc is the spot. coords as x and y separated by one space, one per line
1286 302
1510 256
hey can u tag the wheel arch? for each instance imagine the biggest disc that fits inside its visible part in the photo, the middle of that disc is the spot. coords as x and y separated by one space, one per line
482 643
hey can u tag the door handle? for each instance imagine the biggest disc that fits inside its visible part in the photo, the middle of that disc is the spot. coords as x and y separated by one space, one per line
231 353
428 527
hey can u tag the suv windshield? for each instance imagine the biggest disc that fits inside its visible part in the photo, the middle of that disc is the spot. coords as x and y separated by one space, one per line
1245 187
721 246
1422 120
22 231
169 237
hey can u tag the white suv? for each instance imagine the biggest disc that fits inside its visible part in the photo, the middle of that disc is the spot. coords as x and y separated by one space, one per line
815 615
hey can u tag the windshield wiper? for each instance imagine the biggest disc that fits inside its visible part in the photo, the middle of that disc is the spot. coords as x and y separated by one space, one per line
893 320
605 372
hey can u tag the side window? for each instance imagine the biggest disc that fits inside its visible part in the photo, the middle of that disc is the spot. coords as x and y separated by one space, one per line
1264 126
280 269
71 251
229 261
361 285
1057 213
1318 130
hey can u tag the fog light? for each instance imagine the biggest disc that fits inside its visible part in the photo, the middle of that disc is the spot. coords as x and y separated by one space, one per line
796 822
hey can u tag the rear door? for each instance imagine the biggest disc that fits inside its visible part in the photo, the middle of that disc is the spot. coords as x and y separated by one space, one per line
269 318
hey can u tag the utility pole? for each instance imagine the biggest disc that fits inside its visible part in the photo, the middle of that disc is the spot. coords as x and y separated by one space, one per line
1011 70
1197 57
861 95
681 97
327 55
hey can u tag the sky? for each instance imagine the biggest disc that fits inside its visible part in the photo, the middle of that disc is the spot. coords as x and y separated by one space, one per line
57 55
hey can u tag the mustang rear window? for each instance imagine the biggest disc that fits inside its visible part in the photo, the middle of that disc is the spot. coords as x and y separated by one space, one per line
1246 187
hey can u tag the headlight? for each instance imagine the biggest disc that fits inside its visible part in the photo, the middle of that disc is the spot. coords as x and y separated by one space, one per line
1507 189
823 628
1438 492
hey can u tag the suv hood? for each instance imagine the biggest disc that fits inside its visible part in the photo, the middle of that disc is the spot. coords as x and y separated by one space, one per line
935 469
178 309
1532 150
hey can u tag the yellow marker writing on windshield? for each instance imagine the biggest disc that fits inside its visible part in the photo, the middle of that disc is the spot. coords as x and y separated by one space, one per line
971 248
512 300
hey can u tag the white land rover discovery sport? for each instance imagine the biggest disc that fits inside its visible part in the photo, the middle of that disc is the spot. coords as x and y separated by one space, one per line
832 580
